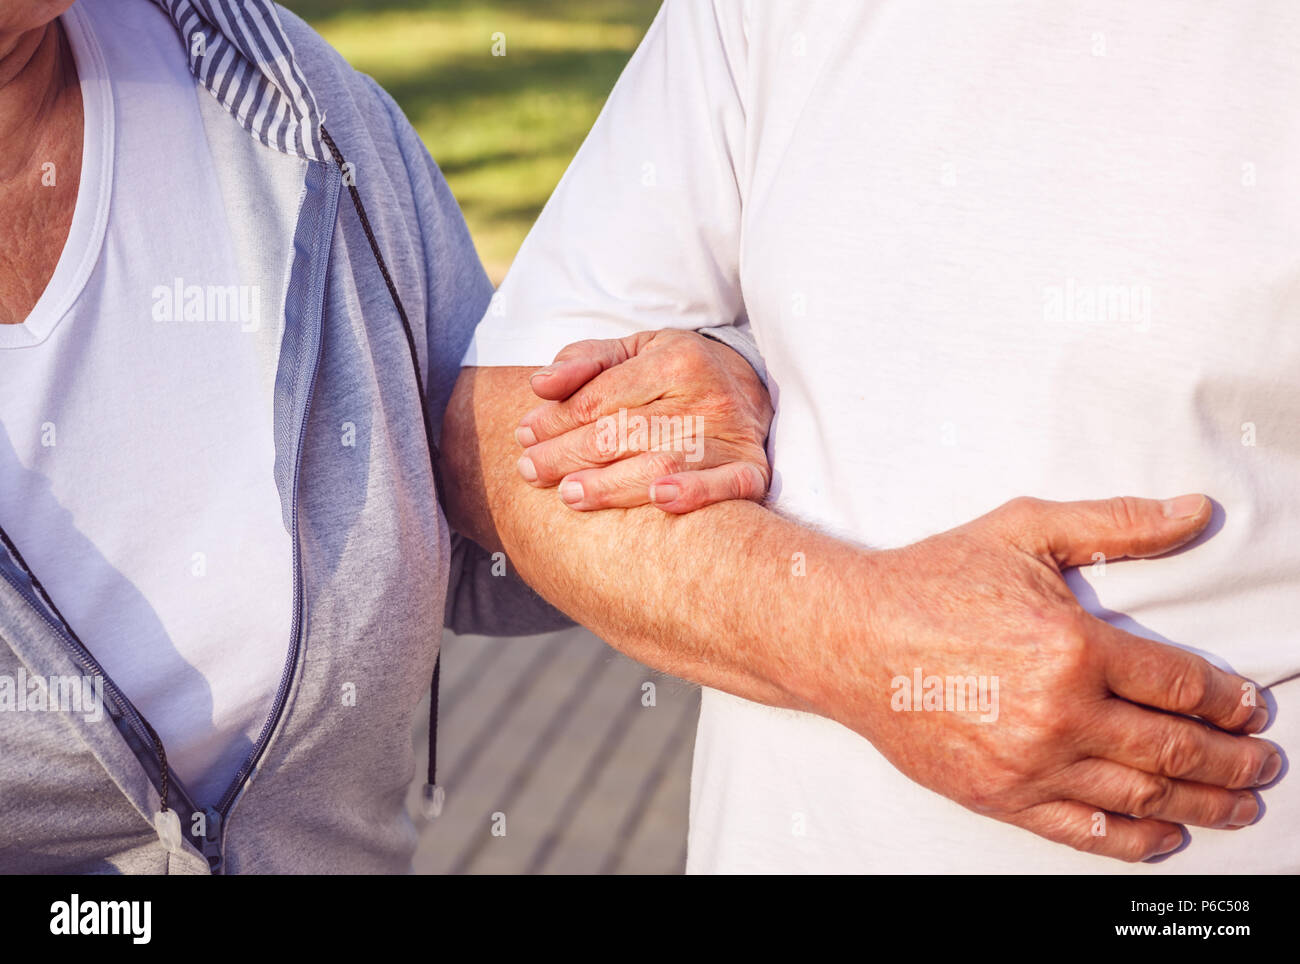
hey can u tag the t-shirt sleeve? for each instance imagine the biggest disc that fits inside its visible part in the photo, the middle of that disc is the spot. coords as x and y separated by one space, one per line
643 230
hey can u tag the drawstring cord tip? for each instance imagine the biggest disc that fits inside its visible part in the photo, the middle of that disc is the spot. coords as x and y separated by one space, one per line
431 802
168 825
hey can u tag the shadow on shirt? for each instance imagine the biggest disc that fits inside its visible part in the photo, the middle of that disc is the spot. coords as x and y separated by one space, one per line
26 495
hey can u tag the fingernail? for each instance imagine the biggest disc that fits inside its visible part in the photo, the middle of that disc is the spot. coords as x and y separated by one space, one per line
1269 771
1170 843
541 373
527 469
525 436
1245 812
663 492
1258 720
1183 507
571 492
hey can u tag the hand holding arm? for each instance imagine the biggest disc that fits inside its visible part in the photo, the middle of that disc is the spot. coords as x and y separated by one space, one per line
667 417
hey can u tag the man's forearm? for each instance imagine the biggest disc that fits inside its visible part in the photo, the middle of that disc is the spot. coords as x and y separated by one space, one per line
732 596
1068 716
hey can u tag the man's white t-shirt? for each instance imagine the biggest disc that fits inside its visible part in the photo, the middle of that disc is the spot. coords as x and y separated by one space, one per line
987 250
136 443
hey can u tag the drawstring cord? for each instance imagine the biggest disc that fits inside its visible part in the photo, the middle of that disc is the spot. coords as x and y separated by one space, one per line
433 794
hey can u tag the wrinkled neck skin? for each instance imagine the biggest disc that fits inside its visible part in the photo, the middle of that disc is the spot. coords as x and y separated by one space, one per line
40 165
36 74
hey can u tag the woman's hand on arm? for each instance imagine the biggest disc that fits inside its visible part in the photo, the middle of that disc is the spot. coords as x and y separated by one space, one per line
669 417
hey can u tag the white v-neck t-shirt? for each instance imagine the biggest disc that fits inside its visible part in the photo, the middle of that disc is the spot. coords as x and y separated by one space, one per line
136 446
987 250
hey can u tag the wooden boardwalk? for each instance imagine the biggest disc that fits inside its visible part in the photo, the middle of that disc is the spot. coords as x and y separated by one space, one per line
548 739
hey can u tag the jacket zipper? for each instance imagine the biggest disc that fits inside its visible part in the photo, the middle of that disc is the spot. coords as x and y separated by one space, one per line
213 846
88 662
211 843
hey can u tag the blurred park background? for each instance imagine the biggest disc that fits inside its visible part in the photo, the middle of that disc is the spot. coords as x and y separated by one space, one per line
502 128
581 756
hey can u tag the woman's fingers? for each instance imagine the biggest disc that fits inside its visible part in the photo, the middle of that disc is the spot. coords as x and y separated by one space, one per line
627 483
689 491
608 439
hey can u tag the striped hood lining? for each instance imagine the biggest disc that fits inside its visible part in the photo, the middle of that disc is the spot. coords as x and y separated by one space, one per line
245 60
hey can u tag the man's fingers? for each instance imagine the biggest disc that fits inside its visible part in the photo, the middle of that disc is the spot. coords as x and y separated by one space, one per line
689 491
1121 789
1078 533
1179 748
1093 830
1168 678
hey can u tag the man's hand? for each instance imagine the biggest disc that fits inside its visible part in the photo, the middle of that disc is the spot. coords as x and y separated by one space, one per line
668 417
1091 719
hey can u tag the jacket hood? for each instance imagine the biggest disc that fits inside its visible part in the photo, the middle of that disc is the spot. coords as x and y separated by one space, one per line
239 51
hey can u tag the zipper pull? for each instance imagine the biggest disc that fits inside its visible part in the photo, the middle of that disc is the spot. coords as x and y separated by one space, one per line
212 839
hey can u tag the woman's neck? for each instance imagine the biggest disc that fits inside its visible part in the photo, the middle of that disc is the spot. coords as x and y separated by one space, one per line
40 167
36 71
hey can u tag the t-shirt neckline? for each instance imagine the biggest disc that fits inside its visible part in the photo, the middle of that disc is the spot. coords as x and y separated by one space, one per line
90 215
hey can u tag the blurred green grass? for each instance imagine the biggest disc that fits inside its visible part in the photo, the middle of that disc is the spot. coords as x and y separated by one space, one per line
503 129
